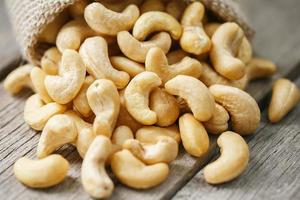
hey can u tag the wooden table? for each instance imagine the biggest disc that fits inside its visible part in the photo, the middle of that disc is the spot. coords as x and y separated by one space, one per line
273 171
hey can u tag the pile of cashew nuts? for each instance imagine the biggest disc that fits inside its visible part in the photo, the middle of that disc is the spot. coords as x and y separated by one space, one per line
126 82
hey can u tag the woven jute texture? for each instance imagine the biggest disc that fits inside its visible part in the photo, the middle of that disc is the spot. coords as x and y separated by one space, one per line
30 17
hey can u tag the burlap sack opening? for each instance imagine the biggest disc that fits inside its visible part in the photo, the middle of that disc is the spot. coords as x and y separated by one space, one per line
30 17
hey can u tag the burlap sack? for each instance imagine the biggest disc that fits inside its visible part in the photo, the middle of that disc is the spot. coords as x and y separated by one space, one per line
30 17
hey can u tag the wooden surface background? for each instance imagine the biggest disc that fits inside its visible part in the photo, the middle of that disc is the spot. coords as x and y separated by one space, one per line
273 171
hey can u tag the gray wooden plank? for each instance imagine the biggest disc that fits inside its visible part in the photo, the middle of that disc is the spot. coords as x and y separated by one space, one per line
273 170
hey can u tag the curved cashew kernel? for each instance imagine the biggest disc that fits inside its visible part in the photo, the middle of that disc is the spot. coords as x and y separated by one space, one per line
124 64
195 93
194 137
77 9
64 87
156 61
218 123
36 113
104 100
134 173
194 39
164 150
232 161
121 134
153 21
80 102
285 96
151 134
165 106
136 50
119 6
18 79
105 21
137 97
175 8
37 76
226 42
259 68
124 117
152 5
242 108
50 61
58 131
176 56
94 177
42 173
95 56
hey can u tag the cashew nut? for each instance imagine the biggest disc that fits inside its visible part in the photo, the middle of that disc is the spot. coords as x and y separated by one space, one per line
194 137
194 39
242 108
218 123
175 8
153 21
226 42
259 68
151 134
80 102
156 61
36 113
58 131
64 87
176 56
119 6
124 64
136 50
18 79
94 177
37 76
285 96
232 161
164 150
108 22
195 93
104 100
77 9
42 173
137 97
134 173
50 61
165 106
95 56
152 5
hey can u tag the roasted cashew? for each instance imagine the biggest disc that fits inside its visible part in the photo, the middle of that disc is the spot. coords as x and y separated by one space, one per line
37 76
218 123
195 93
108 22
137 97
77 9
285 96
194 137
94 177
242 108
154 21
176 56
259 68
152 5
64 87
164 150
42 173
36 113
137 50
226 42
175 8
50 61
194 39
18 79
119 6
95 56
58 131
165 106
134 173
232 161
129 66
104 100
156 61
80 102
151 134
